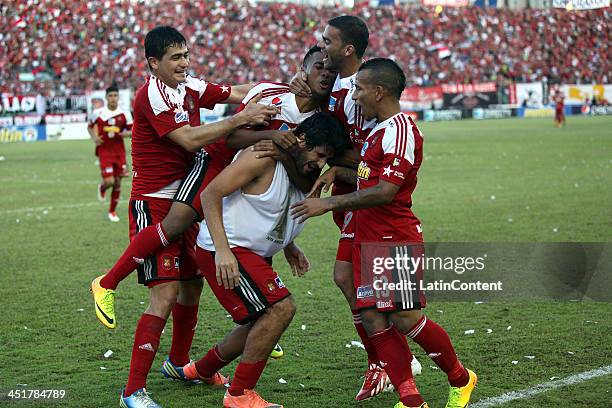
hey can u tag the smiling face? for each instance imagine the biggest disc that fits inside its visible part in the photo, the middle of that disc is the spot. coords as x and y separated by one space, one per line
172 68
319 78
313 160
367 95
334 49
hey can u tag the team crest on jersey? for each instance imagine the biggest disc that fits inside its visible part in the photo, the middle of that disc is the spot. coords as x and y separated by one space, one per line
284 126
181 116
190 103
167 262
112 121
332 103
363 171
396 162
271 286
278 102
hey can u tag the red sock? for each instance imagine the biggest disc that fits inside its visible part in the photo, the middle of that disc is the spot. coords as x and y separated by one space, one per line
365 340
212 362
146 341
144 245
184 321
246 377
396 357
437 344
114 199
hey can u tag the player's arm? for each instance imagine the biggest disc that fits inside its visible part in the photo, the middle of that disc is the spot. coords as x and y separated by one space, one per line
245 137
327 179
380 194
235 176
192 138
92 129
350 158
238 93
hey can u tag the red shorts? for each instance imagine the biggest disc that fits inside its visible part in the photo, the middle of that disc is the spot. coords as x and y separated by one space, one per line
175 261
113 166
260 287
347 235
372 283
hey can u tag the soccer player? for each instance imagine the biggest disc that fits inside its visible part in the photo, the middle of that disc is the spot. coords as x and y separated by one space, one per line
166 132
390 159
107 128
246 212
559 113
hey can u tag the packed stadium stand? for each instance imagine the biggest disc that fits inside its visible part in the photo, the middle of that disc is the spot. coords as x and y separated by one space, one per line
81 46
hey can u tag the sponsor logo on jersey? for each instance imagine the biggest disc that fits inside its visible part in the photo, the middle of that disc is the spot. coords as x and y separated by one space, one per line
284 126
365 292
181 116
278 102
177 262
279 282
384 305
363 171
364 148
332 103
347 219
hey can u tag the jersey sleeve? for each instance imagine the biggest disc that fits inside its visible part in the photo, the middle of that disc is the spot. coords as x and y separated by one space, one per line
166 121
398 152
91 121
129 121
213 94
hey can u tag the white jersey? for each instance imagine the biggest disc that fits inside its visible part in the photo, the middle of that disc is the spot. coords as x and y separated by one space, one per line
260 223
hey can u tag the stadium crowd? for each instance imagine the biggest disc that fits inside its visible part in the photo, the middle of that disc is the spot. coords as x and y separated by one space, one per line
86 45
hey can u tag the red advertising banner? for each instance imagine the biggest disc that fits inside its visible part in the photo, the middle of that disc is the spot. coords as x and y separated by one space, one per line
464 88
417 98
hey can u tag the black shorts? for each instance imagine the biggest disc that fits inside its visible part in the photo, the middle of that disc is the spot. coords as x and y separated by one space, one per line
191 187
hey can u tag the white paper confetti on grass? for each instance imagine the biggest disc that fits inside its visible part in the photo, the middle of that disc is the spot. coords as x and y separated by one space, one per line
434 367
309 292
102 368
21 385
554 378
509 328
282 381
492 198
555 229
2 158
108 353
45 212
478 302
471 331
17 220
347 345
570 353
529 357
302 385
510 220
80 310
590 321
515 362
142 303
357 344
489 331
303 327
25 327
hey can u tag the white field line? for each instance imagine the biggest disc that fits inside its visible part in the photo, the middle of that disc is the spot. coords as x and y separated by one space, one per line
54 207
47 181
541 388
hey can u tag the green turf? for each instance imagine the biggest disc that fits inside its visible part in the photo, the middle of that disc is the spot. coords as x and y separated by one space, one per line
554 184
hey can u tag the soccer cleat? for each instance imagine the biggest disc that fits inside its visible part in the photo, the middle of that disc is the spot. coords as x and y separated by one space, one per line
250 399
139 399
101 192
401 405
459 397
277 351
104 303
190 373
375 381
416 366
112 217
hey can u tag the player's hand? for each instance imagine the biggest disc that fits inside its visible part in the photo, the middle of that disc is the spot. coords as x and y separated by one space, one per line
228 274
297 260
257 114
310 207
298 84
286 139
267 148
323 183
97 140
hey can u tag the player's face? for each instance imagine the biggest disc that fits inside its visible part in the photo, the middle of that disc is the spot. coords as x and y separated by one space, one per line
319 78
309 161
366 95
112 100
333 48
172 68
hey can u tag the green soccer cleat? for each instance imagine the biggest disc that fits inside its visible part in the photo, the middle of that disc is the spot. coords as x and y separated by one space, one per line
104 303
277 351
459 397
401 405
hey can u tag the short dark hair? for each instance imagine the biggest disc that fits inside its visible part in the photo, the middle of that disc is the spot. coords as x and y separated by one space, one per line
112 88
313 50
323 129
388 74
354 31
159 39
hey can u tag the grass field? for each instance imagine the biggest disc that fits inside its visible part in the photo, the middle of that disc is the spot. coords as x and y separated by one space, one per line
487 181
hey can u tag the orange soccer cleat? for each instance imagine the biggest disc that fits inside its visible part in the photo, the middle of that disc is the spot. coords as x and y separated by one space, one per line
250 399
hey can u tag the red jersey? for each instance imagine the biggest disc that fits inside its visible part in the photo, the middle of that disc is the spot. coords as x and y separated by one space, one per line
109 125
392 152
158 110
559 105
273 93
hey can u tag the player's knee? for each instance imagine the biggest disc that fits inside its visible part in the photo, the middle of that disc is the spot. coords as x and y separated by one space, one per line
108 182
189 293
406 320
117 183
343 278
373 321
284 310
163 299
178 220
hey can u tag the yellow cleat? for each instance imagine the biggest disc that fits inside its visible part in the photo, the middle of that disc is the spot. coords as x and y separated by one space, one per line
401 405
277 351
104 303
459 397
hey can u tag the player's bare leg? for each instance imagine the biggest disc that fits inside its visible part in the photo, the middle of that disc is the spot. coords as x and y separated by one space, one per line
114 201
437 344
104 185
395 355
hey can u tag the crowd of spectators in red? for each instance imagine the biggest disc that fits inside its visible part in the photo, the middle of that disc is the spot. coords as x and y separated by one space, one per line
84 45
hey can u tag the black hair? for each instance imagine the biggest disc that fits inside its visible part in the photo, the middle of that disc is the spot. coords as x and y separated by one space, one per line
387 74
159 39
112 88
322 129
353 31
313 50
